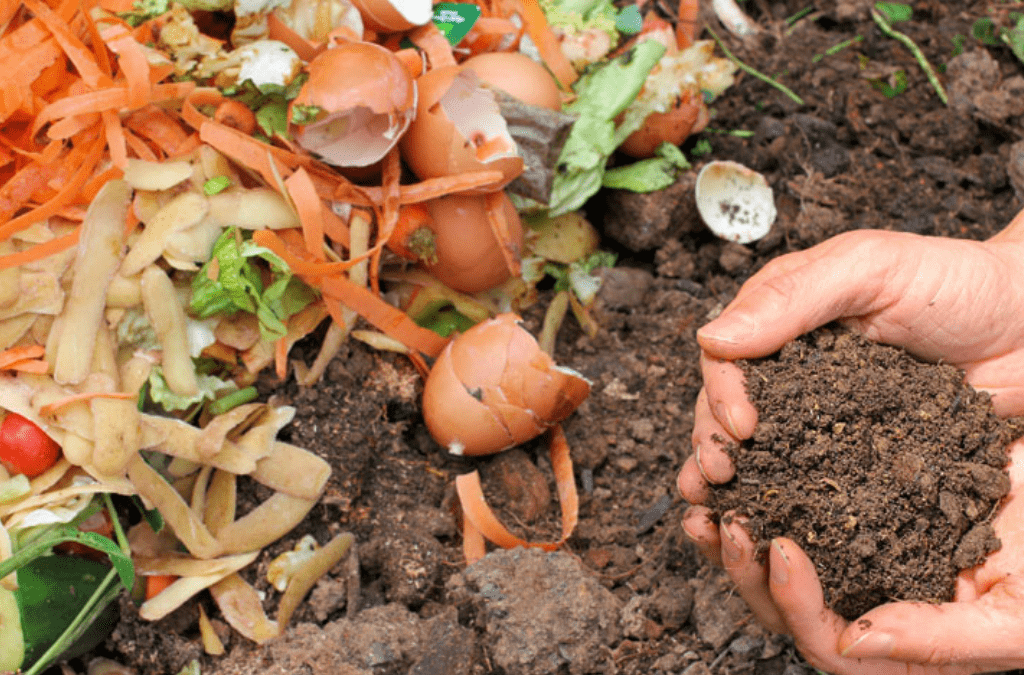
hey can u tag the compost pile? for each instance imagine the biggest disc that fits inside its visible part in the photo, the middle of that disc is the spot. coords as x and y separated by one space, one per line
885 469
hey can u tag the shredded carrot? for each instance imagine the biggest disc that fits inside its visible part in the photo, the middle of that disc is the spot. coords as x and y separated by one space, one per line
33 366
157 583
547 44
281 357
482 518
39 251
236 115
686 25
311 212
21 353
53 407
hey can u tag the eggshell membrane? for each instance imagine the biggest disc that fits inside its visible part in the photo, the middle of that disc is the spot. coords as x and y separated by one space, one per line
469 256
434 146
518 75
386 17
520 392
369 86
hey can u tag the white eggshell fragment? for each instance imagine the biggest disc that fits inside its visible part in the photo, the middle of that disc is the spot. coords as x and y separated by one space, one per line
736 203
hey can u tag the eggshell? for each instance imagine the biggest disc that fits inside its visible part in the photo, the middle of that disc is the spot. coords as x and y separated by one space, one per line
493 387
455 115
518 75
736 203
672 126
367 99
384 16
469 257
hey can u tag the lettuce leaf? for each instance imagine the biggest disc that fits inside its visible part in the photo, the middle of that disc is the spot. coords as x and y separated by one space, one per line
233 280
602 93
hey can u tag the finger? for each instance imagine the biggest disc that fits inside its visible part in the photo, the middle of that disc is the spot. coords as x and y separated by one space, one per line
700 529
927 634
739 557
844 276
727 396
800 600
693 486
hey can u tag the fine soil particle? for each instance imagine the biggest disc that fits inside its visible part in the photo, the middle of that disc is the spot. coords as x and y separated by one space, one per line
884 469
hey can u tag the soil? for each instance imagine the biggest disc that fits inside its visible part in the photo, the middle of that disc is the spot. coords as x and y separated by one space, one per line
886 470
627 594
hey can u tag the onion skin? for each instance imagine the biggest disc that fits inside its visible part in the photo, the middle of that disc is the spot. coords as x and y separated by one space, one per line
493 388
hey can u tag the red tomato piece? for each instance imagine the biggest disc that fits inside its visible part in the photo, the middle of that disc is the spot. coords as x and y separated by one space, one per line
25 448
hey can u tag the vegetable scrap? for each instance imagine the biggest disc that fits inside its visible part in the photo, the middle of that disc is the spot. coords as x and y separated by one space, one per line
183 200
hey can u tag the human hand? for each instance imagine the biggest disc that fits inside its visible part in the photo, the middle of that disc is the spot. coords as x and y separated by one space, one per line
981 631
953 300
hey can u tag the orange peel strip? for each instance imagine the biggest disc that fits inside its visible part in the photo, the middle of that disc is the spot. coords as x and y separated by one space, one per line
311 212
477 513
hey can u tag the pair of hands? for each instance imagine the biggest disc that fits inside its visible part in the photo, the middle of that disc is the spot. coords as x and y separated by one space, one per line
958 301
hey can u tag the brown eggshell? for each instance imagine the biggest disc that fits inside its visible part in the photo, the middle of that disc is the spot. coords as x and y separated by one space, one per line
367 82
384 16
518 75
434 147
482 395
672 126
469 257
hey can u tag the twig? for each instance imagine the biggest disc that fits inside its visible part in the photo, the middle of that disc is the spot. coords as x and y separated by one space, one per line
915 50
751 71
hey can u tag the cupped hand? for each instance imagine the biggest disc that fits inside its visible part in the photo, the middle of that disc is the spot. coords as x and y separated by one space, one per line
981 631
960 302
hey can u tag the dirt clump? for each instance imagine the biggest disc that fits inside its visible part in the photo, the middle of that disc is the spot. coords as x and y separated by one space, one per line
886 470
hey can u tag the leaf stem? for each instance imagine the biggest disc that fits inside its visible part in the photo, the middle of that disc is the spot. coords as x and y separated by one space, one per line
903 39
751 71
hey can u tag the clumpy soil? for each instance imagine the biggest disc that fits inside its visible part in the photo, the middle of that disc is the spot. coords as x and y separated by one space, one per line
884 469
627 584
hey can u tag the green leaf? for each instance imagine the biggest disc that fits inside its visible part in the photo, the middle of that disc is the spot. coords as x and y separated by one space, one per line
649 175
895 11
602 93
1014 37
215 185
273 119
984 30
121 561
151 516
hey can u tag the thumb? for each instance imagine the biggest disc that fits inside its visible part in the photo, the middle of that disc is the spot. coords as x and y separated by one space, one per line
981 635
796 293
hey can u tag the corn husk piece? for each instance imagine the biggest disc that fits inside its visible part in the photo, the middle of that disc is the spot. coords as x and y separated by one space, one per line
175 595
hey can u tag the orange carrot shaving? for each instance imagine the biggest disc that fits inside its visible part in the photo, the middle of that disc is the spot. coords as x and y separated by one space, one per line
686 26
33 366
157 583
39 251
80 55
547 43
310 271
53 407
434 44
311 212
477 513
281 357
21 353
236 115
132 62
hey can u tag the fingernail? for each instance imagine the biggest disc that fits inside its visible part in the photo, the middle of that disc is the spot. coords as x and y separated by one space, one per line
731 551
700 467
779 565
724 415
729 328
872 644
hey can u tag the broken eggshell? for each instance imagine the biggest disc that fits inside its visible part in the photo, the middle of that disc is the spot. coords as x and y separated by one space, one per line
517 75
493 388
358 100
736 203
459 128
385 16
